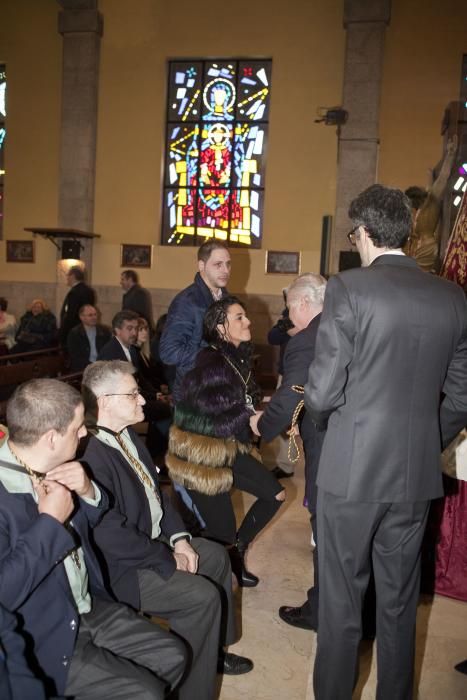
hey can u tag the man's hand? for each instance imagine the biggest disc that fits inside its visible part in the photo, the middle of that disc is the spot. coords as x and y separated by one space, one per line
254 422
186 557
73 476
54 499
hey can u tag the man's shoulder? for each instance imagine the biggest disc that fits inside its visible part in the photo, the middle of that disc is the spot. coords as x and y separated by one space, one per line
97 448
77 331
197 293
111 344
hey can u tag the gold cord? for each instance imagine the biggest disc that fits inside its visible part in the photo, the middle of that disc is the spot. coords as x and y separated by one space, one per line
140 473
237 370
293 444
39 477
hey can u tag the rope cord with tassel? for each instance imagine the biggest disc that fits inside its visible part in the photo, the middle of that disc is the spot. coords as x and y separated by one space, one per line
293 444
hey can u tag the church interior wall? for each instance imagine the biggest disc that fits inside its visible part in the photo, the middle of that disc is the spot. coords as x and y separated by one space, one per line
306 40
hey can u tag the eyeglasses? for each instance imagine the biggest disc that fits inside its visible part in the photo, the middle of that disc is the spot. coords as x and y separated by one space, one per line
134 394
352 237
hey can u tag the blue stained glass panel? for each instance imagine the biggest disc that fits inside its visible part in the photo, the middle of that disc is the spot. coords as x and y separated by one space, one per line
217 127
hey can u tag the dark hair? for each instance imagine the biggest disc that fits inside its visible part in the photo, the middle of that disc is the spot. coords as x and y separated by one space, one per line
38 406
205 250
217 314
77 273
385 213
122 316
3 304
417 196
130 275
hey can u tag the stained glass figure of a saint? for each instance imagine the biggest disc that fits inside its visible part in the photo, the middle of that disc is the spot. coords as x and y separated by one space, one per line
216 140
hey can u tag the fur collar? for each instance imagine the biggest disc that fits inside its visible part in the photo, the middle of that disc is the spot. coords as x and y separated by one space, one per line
202 463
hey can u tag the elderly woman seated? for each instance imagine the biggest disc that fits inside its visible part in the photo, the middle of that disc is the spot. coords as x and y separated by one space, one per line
7 327
37 328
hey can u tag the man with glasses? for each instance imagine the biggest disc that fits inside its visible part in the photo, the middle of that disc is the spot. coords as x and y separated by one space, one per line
391 343
152 562
79 644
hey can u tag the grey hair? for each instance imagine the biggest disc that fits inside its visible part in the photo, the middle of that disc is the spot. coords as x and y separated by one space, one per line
309 286
100 377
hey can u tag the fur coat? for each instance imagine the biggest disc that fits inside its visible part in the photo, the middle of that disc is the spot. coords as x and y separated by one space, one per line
211 424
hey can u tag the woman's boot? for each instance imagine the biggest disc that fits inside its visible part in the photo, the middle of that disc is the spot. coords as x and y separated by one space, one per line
237 560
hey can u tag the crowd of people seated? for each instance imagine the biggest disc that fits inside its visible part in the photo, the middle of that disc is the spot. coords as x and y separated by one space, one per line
93 543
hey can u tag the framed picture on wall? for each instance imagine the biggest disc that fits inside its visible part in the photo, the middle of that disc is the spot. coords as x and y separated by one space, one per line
20 251
281 262
136 255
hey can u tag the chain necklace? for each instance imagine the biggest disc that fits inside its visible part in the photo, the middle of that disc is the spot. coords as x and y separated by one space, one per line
248 398
35 476
135 463
39 478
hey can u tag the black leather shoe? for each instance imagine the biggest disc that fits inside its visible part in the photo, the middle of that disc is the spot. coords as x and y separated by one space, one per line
294 617
233 664
280 473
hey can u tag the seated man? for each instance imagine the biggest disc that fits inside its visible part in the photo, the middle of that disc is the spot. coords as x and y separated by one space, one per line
87 339
122 346
151 564
83 646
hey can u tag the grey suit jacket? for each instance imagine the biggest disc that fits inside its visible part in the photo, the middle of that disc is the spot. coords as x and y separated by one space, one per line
392 338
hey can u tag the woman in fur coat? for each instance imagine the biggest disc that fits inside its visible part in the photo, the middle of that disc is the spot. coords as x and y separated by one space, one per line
210 441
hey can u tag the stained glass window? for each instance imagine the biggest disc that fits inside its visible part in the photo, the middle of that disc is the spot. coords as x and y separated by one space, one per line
2 138
217 128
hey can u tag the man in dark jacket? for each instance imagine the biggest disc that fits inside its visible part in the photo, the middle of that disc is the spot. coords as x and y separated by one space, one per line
121 345
156 411
82 645
182 336
79 295
151 559
136 298
392 341
87 339
17 682
305 302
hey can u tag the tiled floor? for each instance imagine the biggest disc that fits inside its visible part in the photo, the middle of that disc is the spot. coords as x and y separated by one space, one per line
284 655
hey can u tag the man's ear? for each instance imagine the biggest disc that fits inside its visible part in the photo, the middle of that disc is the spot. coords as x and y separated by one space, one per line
200 265
102 403
48 439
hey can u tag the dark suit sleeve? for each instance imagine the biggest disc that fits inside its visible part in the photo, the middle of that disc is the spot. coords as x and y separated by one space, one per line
278 414
16 679
453 415
34 555
327 377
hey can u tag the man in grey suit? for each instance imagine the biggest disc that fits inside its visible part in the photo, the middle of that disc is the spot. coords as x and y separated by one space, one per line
392 341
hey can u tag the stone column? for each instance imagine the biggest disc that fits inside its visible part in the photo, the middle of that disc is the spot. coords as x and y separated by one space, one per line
81 26
365 22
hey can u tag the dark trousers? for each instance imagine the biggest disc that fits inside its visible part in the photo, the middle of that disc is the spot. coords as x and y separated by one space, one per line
121 655
217 511
352 536
198 611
